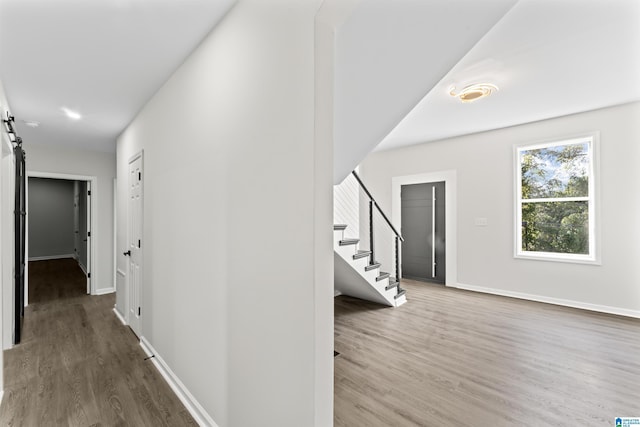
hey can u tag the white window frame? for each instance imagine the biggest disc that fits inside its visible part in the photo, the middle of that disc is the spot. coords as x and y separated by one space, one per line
593 257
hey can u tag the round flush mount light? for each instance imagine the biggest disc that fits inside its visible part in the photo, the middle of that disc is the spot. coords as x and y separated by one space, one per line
473 92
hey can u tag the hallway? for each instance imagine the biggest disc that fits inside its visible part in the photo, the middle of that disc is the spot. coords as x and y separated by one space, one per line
77 364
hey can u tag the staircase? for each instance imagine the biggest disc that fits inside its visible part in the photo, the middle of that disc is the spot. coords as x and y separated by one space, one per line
357 277
357 273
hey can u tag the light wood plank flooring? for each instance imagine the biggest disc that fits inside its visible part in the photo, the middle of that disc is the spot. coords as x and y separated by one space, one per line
77 364
455 358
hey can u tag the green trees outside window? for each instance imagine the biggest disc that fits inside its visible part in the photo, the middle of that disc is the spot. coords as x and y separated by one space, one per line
555 199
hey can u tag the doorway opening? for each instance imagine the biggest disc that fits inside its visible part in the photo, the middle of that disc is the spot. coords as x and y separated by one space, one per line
59 228
61 223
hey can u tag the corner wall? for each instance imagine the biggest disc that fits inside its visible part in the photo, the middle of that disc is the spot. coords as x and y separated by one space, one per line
237 284
485 189
6 236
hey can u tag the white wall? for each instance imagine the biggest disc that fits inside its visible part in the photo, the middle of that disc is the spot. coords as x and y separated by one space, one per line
346 206
485 189
60 160
237 222
51 210
6 233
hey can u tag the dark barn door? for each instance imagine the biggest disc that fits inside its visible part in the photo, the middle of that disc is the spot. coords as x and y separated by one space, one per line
20 234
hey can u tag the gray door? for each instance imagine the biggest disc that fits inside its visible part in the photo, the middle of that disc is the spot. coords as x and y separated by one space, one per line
423 228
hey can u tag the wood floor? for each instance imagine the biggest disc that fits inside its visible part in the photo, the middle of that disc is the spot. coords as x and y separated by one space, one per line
77 364
455 358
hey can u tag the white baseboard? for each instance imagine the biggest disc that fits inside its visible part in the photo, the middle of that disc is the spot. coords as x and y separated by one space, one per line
104 291
549 300
336 293
50 257
195 409
119 316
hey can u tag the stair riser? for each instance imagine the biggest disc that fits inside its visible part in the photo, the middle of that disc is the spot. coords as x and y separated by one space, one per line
346 251
360 263
401 300
372 274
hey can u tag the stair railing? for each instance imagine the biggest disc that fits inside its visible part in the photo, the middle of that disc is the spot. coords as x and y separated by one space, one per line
398 237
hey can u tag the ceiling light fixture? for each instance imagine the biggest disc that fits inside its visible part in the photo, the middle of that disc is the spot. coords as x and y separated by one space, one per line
73 115
473 92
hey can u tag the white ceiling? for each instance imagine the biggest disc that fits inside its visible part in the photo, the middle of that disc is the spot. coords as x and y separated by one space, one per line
106 58
549 58
388 55
102 58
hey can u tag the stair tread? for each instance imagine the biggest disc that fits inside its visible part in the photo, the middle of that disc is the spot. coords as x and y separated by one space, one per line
362 254
372 266
391 285
339 226
345 242
399 294
382 276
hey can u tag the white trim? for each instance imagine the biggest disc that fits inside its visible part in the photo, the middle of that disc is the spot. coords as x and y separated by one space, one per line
450 179
119 316
336 293
115 228
104 291
49 257
195 409
550 300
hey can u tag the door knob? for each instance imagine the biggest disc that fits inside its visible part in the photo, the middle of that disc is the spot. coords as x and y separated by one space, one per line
128 253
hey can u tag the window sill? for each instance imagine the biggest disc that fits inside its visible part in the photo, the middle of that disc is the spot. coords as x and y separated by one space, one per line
570 259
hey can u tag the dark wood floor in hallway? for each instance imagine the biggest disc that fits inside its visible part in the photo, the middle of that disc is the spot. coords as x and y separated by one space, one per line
455 358
77 364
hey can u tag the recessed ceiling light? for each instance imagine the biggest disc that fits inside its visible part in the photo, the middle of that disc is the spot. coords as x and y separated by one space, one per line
31 123
73 115
472 92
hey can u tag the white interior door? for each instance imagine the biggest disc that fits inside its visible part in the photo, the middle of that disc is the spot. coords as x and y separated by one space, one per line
134 248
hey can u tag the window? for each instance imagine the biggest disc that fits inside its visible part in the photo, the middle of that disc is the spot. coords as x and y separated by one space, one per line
555 203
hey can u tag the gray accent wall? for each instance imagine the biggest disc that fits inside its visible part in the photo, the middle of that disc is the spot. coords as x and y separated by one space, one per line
50 217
